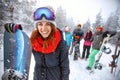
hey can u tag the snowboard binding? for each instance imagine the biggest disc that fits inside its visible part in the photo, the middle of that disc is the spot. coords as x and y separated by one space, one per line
11 74
98 65
12 28
75 56
106 50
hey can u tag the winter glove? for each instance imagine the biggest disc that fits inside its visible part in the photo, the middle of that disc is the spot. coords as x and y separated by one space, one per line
105 34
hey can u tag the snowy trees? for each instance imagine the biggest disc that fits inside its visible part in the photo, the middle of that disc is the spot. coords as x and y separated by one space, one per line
113 22
21 11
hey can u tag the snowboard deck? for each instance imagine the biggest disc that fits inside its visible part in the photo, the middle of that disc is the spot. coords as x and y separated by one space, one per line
76 51
17 53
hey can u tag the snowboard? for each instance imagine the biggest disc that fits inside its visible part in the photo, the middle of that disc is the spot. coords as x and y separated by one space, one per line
103 49
17 53
76 51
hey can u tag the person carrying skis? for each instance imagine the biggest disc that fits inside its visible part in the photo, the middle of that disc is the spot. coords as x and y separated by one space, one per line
48 47
77 37
87 43
98 37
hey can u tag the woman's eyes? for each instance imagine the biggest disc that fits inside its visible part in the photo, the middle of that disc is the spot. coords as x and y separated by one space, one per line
40 24
47 24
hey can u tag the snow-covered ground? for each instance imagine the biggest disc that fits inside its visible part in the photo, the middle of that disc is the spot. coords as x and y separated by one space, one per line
79 72
78 68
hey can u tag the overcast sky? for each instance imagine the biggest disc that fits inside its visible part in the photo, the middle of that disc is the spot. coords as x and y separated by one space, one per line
81 10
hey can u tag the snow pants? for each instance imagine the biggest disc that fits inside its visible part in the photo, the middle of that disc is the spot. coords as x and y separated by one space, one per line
92 57
86 48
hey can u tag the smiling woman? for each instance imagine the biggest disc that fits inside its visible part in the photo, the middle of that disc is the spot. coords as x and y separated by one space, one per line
44 29
48 47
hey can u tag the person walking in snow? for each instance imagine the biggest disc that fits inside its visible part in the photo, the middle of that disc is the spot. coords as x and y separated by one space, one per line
98 37
48 47
87 44
77 37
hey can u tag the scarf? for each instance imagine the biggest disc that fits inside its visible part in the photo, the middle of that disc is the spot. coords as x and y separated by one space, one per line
38 43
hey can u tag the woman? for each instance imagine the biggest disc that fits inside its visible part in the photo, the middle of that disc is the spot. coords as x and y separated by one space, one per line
87 44
49 48
68 36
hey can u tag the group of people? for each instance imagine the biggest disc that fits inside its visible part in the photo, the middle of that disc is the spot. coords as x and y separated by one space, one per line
92 43
75 38
51 48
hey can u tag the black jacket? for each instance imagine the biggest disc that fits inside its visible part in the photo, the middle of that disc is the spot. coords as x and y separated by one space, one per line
53 66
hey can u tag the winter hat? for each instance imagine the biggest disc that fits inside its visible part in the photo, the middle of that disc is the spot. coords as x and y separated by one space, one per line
45 14
100 28
67 28
90 28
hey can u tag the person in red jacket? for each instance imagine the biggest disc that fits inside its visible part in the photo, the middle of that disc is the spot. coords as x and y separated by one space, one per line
87 44
48 47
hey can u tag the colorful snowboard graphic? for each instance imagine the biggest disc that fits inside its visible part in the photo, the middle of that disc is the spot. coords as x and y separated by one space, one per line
17 53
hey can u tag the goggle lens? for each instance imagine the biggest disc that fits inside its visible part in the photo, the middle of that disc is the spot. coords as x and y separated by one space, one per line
44 12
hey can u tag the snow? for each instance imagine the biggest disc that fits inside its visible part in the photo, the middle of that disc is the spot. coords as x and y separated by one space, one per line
78 68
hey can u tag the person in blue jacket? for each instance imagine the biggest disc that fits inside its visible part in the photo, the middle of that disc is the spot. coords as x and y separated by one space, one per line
68 36
48 47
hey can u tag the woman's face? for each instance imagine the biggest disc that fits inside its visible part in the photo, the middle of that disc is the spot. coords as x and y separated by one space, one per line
44 28
89 30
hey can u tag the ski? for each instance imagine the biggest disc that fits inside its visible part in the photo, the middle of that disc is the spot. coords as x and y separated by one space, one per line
116 62
115 56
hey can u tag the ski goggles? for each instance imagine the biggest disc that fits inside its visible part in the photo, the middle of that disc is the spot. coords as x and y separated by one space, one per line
43 12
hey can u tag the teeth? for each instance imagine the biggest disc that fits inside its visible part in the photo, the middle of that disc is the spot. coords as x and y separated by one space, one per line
44 32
